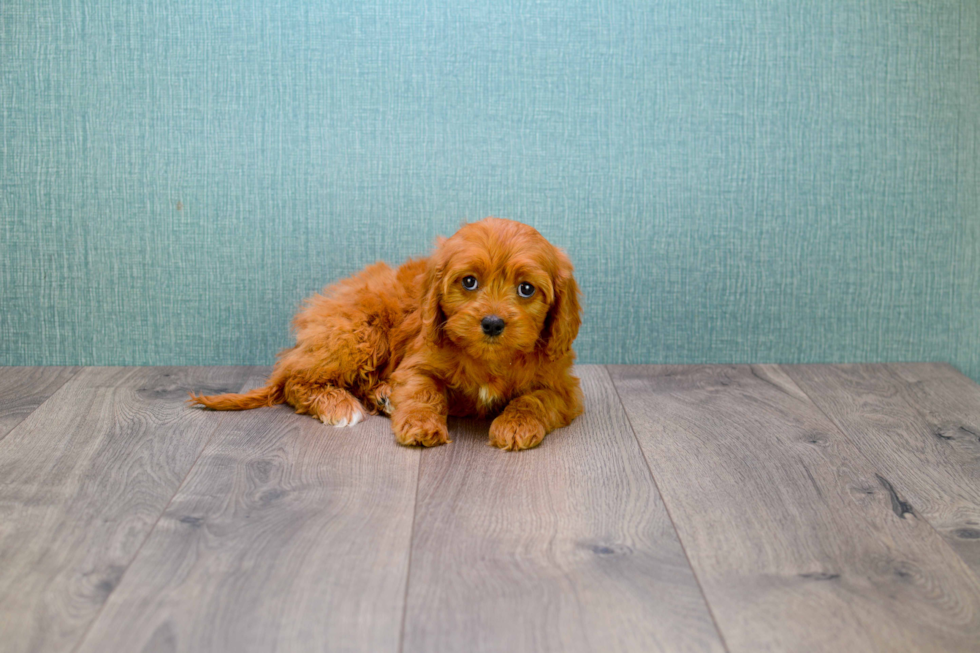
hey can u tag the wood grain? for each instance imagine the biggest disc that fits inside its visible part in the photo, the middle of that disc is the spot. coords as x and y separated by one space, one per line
287 535
566 547
920 426
800 543
82 481
22 389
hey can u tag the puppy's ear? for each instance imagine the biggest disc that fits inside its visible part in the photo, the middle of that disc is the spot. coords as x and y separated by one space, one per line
432 315
565 317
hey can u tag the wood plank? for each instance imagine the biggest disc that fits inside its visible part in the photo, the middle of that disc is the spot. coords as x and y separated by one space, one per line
920 426
799 542
82 481
287 535
566 547
22 389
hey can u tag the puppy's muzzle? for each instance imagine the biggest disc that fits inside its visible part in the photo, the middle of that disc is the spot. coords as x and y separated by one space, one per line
492 325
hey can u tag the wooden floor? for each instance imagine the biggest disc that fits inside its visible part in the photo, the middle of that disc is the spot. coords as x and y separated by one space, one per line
711 508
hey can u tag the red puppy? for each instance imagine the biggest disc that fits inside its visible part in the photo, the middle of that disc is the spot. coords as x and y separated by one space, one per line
484 326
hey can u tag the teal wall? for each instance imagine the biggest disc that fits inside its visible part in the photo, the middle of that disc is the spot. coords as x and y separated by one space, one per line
736 180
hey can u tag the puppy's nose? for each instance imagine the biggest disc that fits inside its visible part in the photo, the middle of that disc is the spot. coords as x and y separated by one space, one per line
492 325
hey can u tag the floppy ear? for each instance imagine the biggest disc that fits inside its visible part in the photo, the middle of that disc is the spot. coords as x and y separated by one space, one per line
565 317
432 315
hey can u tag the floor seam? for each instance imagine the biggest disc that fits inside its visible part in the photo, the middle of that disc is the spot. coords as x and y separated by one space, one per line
98 615
76 371
411 549
663 500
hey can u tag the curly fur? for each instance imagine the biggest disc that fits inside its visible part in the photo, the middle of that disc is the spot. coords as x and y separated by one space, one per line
409 342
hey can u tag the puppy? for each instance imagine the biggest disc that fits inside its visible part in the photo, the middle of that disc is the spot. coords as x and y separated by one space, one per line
482 327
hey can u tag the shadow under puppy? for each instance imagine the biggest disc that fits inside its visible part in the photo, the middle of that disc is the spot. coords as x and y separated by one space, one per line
484 326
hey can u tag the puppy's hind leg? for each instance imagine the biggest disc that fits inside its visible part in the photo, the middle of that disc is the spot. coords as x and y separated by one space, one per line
342 344
327 403
338 407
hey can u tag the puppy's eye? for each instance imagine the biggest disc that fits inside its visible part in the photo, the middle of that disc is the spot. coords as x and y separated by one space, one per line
470 282
525 289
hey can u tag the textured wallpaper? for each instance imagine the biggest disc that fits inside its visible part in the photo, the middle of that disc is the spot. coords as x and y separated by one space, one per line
736 180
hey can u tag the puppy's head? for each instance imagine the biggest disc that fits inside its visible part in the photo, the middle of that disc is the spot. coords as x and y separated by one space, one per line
497 287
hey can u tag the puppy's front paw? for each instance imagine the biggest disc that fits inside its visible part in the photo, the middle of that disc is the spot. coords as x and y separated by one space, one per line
420 429
515 431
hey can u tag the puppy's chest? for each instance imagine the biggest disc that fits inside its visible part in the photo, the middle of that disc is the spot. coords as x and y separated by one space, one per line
487 396
482 398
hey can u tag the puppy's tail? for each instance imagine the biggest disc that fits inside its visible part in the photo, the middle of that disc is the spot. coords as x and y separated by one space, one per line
269 395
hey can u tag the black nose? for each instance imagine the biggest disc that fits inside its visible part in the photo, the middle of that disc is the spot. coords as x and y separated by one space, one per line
492 325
